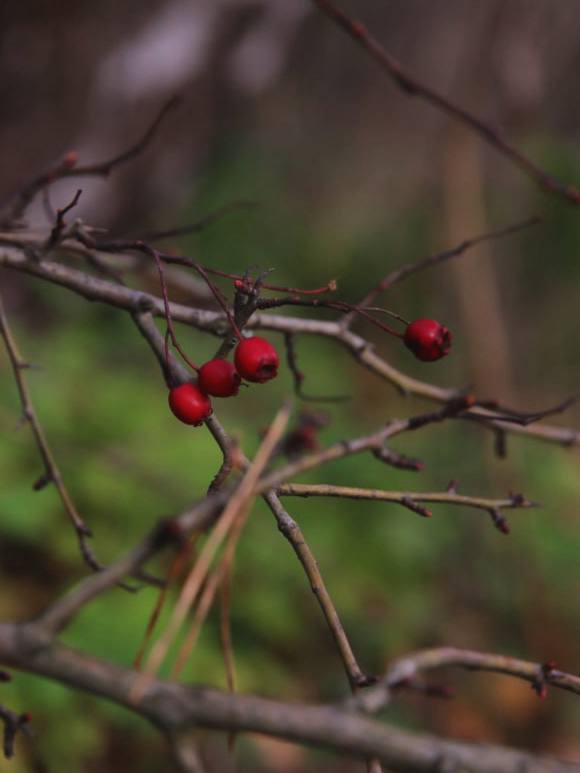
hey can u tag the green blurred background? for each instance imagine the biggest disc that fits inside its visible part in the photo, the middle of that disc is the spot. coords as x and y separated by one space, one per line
350 179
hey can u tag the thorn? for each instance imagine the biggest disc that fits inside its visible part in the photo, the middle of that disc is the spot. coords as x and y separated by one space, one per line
548 667
452 487
42 482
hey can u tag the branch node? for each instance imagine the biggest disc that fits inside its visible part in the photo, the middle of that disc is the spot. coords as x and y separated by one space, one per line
410 503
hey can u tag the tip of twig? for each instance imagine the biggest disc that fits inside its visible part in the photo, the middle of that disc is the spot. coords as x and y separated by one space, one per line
519 500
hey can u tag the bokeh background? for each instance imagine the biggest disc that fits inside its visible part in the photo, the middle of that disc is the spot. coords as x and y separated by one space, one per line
350 178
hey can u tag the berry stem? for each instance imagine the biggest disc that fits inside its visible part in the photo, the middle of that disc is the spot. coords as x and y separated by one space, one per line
170 333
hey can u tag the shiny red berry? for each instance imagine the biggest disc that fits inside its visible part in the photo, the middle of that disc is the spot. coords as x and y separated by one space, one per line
190 404
256 360
428 339
219 378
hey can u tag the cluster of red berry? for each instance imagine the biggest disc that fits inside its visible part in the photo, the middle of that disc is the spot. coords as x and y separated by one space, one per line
255 360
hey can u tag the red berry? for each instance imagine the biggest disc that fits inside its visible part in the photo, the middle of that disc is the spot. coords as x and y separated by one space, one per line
190 404
428 339
219 378
256 360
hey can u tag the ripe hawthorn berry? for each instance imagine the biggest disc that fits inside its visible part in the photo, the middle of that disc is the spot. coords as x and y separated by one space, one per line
219 378
428 339
190 404
256 360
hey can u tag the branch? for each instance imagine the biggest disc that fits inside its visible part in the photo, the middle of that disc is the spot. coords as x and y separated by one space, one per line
409 666
175 708
290 529
67 168
402 272
411 501
372 442
13 256
414 88
13 724
51 471
201 224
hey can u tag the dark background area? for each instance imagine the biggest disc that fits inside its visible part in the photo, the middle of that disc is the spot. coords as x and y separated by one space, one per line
350 178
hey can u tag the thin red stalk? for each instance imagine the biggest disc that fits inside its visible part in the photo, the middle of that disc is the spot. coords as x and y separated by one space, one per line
170 329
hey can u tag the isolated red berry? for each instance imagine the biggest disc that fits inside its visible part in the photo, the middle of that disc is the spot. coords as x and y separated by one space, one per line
190 404
428 339
219 378
256 360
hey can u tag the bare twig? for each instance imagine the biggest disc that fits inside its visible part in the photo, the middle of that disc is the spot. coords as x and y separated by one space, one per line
409 666
414 88
402 272
59 226
68 168
51 471
295 537
13 724
201 224
409 500
298 376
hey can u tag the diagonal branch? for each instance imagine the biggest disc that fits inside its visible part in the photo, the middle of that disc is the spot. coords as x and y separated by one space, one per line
402 272
68 168
413 88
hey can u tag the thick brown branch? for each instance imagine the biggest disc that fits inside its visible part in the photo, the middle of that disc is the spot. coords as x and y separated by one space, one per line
175 707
